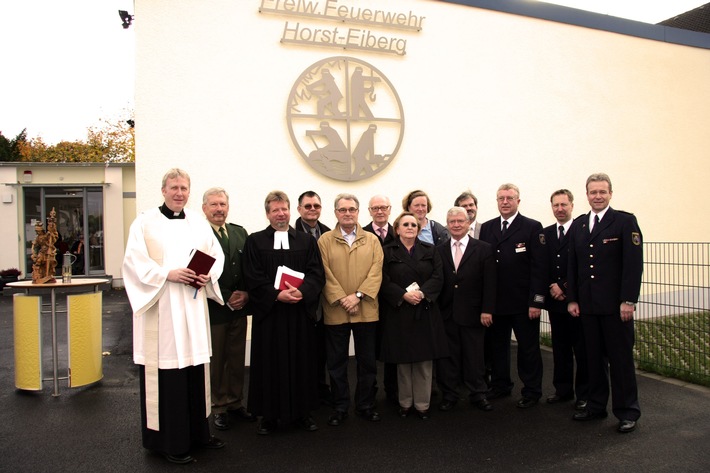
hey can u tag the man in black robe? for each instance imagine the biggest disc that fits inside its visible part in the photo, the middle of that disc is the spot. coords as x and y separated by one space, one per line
282 380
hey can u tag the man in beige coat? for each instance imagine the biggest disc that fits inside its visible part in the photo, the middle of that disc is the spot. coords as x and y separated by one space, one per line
352 260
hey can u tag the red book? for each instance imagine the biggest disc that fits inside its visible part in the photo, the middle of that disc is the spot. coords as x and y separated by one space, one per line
285 274
200 263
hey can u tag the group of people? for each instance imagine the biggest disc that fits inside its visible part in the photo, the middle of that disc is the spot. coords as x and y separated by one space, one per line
437 304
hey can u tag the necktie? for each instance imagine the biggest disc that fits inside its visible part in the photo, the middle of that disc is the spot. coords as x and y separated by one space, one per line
596 222
562 232
223 234
314 232
505 227
381 231
457 254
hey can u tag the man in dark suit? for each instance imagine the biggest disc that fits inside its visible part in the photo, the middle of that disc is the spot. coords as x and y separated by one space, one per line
605 268
467 302
309 209
521 267
380 208
567 338
469 202
228 322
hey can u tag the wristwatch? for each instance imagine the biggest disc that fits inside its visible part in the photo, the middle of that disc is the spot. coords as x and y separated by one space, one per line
630 303
359 295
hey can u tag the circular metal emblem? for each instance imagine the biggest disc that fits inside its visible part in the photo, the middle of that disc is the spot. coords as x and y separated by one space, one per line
345 118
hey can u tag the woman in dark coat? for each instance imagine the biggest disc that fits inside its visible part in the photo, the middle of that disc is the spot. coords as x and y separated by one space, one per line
414 334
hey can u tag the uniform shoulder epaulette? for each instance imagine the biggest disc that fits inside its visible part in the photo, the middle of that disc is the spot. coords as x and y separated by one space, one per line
580 217
234 225
625 212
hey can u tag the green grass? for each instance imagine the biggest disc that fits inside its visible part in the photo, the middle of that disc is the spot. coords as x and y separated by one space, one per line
673 346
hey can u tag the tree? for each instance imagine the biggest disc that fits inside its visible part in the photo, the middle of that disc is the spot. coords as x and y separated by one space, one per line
10 149
111 141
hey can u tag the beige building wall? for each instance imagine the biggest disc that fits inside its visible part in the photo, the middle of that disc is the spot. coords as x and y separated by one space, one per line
488 98
117 181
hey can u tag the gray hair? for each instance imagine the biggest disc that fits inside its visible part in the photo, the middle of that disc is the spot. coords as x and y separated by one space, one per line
214 191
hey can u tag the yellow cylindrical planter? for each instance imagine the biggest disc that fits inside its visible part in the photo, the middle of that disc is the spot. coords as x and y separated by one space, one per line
84 338
28 341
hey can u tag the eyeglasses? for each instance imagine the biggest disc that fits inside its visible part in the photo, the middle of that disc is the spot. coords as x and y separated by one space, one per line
380 208
311 206
410 224
351 210
507 199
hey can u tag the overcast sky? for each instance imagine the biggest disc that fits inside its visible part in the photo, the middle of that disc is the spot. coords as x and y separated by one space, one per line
66 64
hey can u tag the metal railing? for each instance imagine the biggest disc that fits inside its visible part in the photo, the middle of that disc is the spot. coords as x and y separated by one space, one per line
672 318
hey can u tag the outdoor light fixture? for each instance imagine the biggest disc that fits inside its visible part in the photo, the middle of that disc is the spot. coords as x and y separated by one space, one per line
126 18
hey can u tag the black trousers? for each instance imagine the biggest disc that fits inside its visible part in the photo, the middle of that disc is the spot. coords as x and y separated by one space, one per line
527 332
610 351
568 350
465 365
181 411
337 344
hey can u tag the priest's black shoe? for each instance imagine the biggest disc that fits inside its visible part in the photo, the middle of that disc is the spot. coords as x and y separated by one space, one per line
337 418
447 405
213 443
483 404
221 421
626 426
307 424
554 399
589 415
266 427
243 414
526 402
496 394
179 459
368 414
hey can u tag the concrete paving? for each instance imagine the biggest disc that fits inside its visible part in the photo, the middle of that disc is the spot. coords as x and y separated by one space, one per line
96 428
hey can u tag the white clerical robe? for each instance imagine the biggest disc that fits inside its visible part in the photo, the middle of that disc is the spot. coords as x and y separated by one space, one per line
171 326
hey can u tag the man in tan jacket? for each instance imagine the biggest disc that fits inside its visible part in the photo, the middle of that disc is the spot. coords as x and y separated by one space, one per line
352 260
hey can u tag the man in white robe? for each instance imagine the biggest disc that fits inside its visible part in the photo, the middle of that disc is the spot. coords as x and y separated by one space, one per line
171 335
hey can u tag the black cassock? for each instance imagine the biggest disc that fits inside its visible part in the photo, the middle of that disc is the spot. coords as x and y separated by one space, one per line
282 375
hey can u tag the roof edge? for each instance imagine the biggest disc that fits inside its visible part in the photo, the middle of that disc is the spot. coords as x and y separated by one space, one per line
597 21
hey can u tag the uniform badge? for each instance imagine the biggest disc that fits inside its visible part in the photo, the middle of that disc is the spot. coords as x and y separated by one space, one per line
636 238
541 236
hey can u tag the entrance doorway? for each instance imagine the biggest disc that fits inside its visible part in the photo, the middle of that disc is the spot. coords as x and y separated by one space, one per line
79 224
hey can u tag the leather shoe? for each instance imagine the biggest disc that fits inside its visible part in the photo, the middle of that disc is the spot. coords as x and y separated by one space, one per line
496 394
307 424
404 411
266 427
447 405
483 404
243 414
586 414
180 459
423 415
626 426
580 405
554 399
337 418
526 402
221 421
213 443
368 414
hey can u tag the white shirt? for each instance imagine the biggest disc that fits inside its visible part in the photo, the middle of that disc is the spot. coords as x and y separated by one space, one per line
591 218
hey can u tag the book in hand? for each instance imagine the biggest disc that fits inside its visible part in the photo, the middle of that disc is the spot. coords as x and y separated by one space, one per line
285 274
200 263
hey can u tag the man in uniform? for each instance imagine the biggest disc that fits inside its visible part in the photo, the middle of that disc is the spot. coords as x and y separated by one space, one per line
604 279
567 338
521 266
228 322
170 322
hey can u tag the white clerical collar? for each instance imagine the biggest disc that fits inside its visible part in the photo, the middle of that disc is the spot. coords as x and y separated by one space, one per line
281 240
